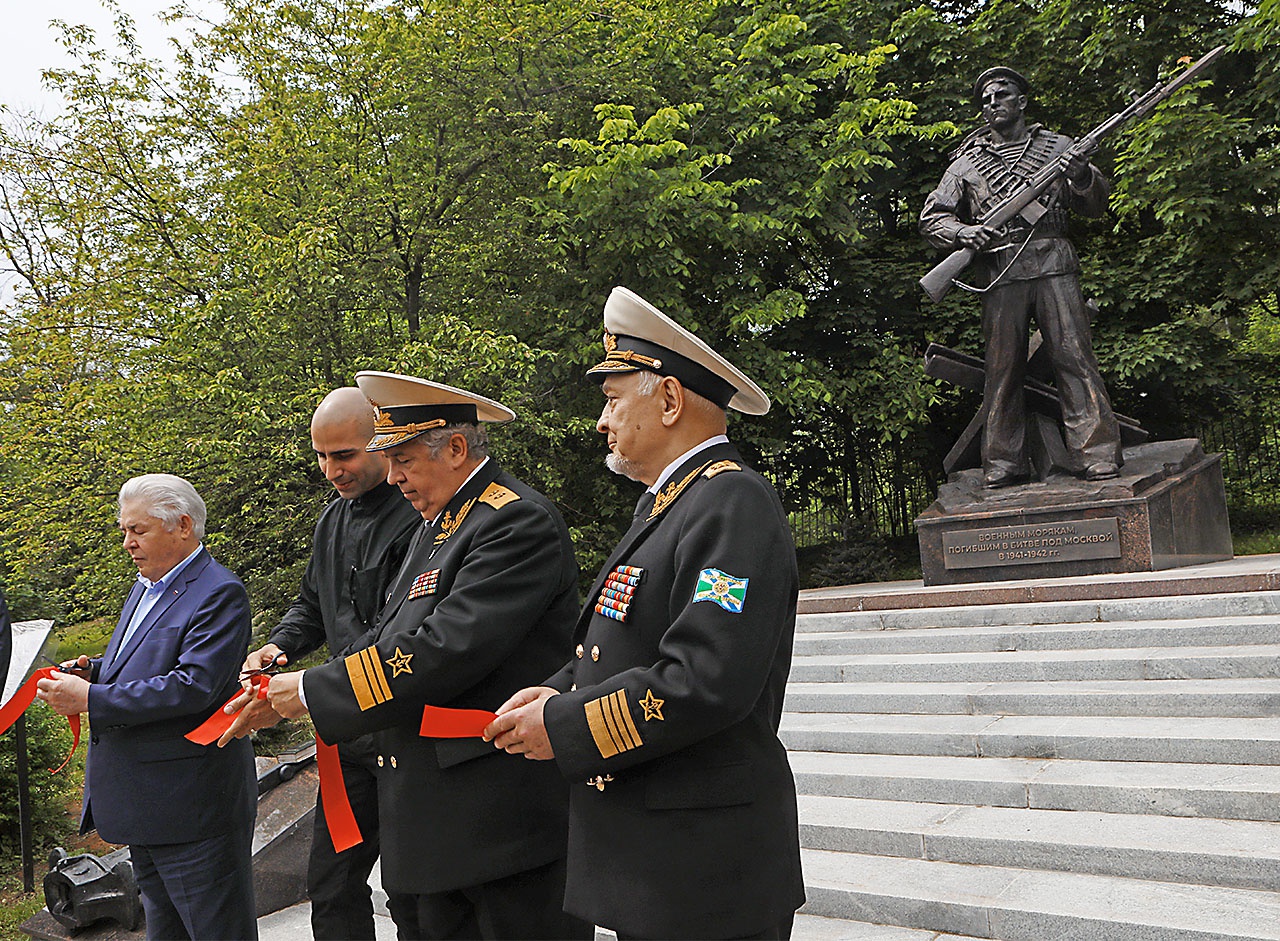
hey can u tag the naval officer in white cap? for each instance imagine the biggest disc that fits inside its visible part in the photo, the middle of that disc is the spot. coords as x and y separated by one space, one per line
483 605
682 820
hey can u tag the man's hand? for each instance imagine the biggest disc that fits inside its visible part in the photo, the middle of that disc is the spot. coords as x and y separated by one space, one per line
976 237
254 714
65 693
260 659
519 728
283 695
77 667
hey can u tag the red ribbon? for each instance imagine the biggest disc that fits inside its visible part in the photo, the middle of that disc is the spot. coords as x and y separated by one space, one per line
439 722
25 695
211 729
343 829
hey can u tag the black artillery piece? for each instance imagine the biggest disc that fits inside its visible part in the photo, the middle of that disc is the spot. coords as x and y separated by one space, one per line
1044 412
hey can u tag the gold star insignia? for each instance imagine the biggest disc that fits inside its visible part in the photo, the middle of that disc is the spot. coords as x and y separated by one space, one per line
652 706
400 663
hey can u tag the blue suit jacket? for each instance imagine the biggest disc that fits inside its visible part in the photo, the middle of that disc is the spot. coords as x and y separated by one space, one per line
144 782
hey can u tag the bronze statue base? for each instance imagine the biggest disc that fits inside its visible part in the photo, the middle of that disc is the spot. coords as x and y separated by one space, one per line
1167 508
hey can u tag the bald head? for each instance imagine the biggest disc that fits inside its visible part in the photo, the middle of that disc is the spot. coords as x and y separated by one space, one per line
345 406
340 428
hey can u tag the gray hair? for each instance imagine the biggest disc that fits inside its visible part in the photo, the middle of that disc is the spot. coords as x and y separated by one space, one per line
696 403
476 436
167 498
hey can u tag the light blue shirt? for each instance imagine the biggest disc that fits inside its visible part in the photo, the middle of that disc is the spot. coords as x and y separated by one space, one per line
153 593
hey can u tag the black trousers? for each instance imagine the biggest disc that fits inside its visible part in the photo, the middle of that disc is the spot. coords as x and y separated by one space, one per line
525 905
338 883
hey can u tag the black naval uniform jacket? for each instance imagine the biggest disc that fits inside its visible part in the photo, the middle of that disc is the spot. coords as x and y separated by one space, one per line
483 607
682 814
356 552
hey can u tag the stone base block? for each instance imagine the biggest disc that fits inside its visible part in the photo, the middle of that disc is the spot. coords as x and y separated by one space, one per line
1167 508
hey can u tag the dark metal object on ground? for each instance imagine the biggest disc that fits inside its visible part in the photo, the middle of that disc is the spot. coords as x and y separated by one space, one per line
1047 451
285 768
83 890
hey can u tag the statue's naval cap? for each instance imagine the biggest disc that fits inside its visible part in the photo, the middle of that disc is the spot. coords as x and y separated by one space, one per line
1000 71
639 336
406 406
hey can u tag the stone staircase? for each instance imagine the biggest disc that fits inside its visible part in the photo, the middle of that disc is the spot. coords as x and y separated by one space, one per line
1080 769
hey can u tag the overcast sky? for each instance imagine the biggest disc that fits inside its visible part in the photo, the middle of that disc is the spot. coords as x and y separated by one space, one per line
31 45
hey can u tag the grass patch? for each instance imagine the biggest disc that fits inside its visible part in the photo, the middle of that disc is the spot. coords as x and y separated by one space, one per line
16 906
88 637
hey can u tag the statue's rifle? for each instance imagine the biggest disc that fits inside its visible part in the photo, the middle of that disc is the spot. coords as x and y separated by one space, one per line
1025 201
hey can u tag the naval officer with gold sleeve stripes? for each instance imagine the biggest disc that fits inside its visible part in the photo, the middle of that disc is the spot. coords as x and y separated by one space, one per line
483 605
682 820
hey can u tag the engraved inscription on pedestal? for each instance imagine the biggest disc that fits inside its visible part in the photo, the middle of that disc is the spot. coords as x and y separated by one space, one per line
1059 541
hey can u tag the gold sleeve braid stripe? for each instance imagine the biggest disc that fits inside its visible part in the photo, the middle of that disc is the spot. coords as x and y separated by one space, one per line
368 679
609 719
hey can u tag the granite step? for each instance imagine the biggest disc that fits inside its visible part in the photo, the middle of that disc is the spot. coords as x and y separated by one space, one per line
817 928
1240 853
1240 792
1146 663
1197 632
1216 697
1253 741
1031 905
1199 607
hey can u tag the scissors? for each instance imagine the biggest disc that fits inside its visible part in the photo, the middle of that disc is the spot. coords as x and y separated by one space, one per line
271 669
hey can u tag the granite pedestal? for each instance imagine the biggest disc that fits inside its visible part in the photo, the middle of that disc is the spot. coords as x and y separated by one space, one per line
1166 509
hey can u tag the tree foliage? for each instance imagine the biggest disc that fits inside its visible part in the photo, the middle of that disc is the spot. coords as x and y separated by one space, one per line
450 190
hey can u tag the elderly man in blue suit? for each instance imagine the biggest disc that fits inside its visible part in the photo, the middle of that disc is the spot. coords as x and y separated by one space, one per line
185 810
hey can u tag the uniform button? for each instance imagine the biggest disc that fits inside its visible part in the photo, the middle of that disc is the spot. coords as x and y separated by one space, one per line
579 651
393 761
595 653
573 688
379 761
93 740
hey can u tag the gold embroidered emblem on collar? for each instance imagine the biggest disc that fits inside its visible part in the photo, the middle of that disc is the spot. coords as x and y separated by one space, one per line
719 467
609 719
400 663
652 706
449 523
667 494
498 496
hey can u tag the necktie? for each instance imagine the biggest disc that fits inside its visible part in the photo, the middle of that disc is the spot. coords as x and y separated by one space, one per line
644 505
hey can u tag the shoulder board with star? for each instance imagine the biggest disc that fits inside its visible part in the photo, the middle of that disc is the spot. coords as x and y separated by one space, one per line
719 467
498 496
